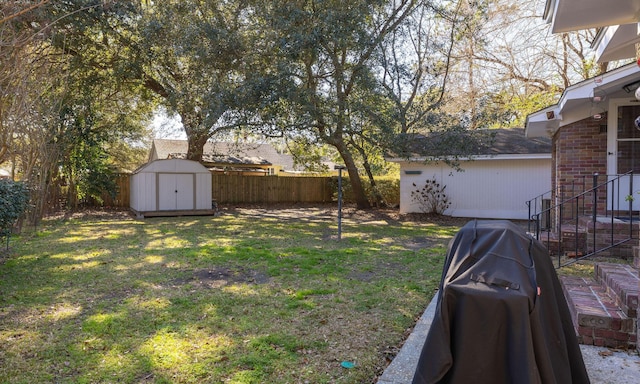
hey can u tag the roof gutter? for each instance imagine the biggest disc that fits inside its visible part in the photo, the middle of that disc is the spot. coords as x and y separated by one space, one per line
514 156
549 11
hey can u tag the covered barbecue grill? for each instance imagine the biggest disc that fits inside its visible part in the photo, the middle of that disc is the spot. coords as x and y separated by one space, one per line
501 316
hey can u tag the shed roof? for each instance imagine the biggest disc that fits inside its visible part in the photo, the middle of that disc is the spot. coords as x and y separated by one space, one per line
172 165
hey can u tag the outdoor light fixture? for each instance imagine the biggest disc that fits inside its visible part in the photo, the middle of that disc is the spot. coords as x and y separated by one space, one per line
598 96
597 112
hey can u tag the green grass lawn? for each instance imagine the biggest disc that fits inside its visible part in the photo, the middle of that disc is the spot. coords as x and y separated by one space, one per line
245 297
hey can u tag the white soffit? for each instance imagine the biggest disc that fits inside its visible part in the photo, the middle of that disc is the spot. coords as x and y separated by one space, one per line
575 15
577 101
617 43
543 123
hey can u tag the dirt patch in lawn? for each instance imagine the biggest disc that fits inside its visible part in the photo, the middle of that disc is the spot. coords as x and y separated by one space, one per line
219 277
330 212
93 214
284 212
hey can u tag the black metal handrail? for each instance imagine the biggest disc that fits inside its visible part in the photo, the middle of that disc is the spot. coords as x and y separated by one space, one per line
569 222
538 203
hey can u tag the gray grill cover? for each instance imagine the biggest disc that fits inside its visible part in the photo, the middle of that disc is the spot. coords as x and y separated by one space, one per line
501 316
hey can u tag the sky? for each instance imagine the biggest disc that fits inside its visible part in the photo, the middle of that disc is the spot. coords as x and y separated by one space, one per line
167 127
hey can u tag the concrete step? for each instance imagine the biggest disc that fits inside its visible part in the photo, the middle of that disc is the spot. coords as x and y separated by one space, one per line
622 283
597 318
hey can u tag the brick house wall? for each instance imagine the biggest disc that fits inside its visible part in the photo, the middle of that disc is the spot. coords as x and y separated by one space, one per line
578 151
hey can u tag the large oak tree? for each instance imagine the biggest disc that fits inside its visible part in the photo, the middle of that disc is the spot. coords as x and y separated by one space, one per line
60 119
326 62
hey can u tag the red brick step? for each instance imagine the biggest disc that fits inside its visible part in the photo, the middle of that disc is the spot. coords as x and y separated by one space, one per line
596 316
622 282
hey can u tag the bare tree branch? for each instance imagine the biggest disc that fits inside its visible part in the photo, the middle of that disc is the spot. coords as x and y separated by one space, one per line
23 11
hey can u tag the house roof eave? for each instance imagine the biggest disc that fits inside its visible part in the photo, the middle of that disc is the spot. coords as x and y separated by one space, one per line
578 101
543 123
575 15
617 42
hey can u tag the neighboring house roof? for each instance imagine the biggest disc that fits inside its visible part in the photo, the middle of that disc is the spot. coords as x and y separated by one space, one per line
222 153
502 143
588 98
225 159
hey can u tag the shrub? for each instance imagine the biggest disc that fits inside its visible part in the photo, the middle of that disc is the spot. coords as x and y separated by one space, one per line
388 186
14 197
431 198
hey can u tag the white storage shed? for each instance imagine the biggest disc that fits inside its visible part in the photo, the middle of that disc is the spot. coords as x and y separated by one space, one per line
171 187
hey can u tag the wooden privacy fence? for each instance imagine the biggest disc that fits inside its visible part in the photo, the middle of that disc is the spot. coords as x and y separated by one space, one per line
271 189
123 192
237 189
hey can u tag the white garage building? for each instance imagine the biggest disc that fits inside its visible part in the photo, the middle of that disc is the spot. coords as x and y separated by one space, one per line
496 183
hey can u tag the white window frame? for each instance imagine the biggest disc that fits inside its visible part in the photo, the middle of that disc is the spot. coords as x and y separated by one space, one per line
612 132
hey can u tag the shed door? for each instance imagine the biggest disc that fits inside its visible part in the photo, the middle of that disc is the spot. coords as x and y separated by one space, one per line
175 191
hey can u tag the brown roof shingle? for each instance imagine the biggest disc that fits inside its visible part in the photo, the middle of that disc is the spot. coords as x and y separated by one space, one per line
223 153
492 142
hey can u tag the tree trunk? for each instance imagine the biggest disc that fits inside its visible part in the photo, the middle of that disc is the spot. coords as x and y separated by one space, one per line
197 136
196 147
379 199
72 193
362 202
359 195
377 196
